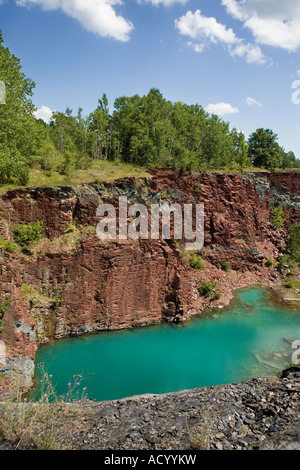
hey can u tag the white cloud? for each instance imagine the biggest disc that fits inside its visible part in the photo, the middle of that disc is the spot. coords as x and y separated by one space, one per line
197 47
272 22
251 52
166 3
221 108
252 102
205 30
96 16
43 113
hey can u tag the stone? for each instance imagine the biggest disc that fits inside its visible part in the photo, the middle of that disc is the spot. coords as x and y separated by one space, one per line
86 286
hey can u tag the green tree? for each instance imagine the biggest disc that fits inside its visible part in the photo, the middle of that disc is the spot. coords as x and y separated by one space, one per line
288 160
81 139
99 131
63 130
218 149
263 149
189 124
240 149
18 131
13 166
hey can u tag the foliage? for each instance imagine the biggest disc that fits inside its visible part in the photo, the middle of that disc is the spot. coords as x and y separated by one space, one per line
69 165
294 242
206 288
225 266
27 234
241 149
50 159
284 261
289 284
30 423
18 131
147 131
196 261
217 295
265 152
3 306
7 245
278 217
270 262
13 166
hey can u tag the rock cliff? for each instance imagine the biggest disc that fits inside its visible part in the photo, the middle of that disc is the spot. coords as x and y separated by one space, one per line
72 283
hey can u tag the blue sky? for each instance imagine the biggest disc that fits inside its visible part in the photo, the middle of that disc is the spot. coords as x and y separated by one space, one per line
238 59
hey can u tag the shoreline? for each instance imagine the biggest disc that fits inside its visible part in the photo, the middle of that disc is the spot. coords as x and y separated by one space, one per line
256 414
208 311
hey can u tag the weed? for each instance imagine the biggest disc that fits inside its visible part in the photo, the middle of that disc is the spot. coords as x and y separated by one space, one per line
196 261
7 245
26 234
31 424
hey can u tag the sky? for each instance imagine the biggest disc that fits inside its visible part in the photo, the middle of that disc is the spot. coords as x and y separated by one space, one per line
238 59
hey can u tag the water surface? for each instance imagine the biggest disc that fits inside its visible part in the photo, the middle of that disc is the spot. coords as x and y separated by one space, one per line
242 341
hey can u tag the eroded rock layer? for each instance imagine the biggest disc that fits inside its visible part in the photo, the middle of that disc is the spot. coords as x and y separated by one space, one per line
72 283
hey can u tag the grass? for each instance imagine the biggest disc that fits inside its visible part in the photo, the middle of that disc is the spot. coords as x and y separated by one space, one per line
100 171
291 284
30 424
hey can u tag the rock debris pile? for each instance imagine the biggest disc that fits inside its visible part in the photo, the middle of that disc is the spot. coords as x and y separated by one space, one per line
262 413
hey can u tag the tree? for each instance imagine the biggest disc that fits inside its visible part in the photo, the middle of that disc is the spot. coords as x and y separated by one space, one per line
62 127
218 149
18 131
263 149
288 160
240 149
12 166
99 130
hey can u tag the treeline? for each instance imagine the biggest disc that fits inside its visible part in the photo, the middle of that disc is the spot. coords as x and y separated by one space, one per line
153 132
147 131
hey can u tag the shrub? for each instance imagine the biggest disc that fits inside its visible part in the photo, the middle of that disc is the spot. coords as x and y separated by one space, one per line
285 261
69 165
196 261
290 272
197 188
294 242
226 266
13 167
277 217
7 245
217 295
27 234
51 159
206 288
3 307
270 263
289 284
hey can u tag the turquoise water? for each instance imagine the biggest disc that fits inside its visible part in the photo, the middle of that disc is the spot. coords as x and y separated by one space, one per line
217 348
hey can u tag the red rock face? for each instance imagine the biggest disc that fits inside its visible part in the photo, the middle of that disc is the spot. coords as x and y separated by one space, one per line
236 217
107 285
287 181
90 285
